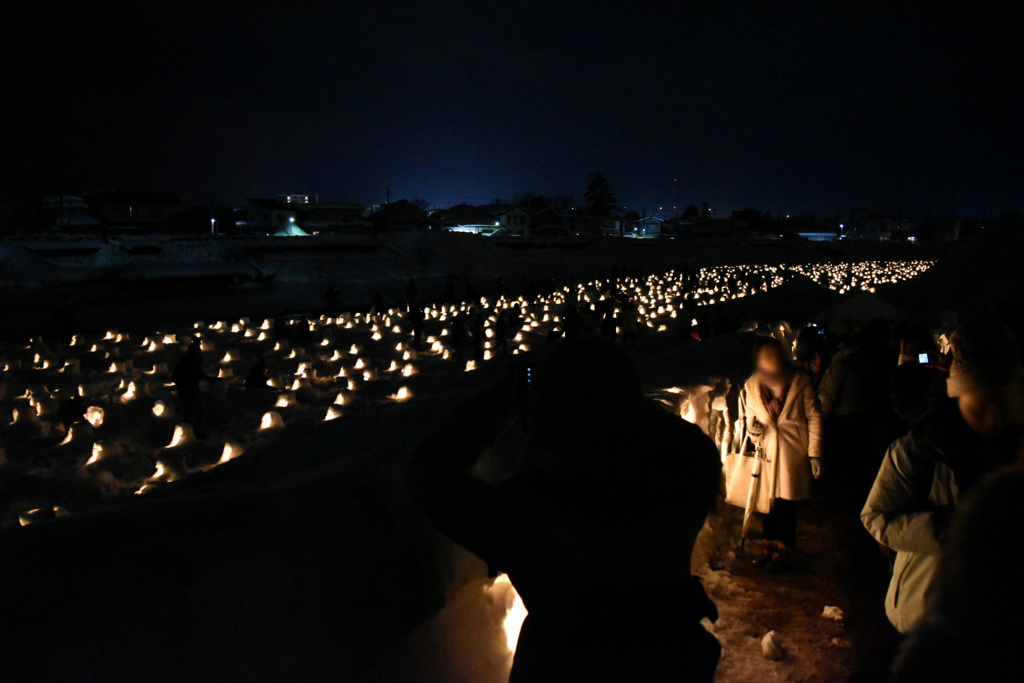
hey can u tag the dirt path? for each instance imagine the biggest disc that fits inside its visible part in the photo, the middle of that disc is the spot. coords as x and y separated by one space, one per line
837 564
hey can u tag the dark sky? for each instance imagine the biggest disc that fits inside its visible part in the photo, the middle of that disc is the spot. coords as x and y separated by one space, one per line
785 105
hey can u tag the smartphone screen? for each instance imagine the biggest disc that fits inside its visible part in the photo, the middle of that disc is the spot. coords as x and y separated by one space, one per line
922 358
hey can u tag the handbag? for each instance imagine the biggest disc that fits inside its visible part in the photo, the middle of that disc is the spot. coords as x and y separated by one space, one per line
740 474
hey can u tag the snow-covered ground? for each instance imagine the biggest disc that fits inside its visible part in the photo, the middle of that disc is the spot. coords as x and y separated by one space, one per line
333 467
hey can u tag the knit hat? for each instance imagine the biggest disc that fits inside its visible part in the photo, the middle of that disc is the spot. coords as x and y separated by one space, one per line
985 356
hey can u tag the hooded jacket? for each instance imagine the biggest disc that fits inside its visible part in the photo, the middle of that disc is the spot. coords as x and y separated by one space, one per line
907 510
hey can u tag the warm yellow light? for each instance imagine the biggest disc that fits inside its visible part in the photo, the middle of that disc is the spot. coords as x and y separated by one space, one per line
94 416
97 454
516 611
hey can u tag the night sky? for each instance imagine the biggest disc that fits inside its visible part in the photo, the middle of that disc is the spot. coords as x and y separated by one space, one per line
782 105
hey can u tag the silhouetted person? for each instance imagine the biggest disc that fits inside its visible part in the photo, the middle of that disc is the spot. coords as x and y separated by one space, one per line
65 319
188 373
609 326
416 318
501 333
596 527
630 323
572 322
258 378
851 396
410 295
331 299
476 324
457 334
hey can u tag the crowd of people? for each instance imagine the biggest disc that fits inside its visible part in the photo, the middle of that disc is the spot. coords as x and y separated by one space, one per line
923 442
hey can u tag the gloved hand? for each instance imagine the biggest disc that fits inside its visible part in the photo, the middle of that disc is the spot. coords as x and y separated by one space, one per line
816 468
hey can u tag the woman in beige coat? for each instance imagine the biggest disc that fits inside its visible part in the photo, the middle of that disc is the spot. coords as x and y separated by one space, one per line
781 413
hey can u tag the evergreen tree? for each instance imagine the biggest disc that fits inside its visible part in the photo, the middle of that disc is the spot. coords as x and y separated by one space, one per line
600 198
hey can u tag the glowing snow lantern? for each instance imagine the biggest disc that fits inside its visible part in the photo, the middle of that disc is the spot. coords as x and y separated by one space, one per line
271 420
409 370
97 454
470 365
332 414
94 416
129 394
230 452
182 435
353 350
403 394
515 613
284 400
159 409
163 473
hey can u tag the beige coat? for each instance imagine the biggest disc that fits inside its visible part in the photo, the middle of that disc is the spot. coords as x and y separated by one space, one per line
790 441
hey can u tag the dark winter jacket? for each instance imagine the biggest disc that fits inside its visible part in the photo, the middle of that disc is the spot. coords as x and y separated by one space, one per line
601 562
846 388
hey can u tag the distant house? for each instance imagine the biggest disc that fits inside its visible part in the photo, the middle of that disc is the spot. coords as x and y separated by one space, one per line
398 216
676 227
595 226
646 227
718 229
474 220
134 210
333 219
549 222
515 220
265 216
508 220
939 229
68 213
